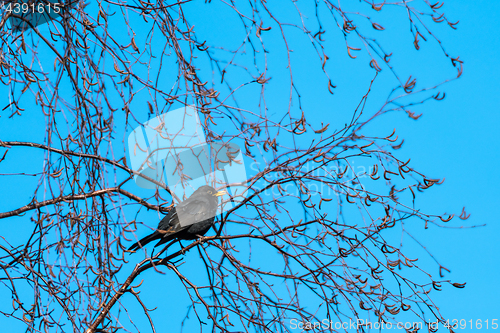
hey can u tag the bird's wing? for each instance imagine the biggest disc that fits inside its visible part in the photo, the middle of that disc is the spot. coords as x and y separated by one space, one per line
194 206
192 210
195 210
168 220
170 223
189 212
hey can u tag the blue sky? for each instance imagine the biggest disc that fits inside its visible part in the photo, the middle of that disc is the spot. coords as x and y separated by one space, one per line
456 138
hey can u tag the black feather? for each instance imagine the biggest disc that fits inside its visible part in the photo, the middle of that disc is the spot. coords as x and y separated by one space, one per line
188 220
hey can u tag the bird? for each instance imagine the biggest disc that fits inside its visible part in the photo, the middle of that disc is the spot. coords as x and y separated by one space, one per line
189 219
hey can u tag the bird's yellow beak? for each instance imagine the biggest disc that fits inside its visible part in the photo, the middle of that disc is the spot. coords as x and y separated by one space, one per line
218 194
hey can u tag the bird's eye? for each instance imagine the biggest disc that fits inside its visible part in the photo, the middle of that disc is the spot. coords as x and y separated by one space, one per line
210 192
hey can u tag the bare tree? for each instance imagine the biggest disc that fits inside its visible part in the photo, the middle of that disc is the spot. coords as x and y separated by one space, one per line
310 240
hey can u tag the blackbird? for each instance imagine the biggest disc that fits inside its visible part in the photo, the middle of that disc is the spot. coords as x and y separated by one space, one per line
197 214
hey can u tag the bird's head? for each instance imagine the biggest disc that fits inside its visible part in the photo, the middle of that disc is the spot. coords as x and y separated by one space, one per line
209 191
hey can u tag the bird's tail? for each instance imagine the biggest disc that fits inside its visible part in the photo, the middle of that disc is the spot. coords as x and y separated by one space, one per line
145 240
166 239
